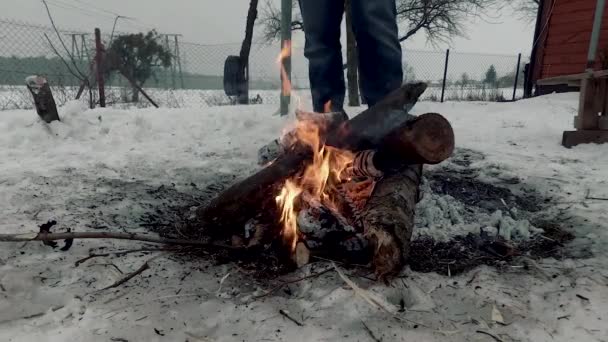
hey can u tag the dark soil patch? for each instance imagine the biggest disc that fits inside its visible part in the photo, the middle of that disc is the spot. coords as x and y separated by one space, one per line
465 157
458 255
466 252
471 191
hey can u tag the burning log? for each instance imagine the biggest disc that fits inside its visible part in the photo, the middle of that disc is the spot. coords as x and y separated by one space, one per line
245 199
381 141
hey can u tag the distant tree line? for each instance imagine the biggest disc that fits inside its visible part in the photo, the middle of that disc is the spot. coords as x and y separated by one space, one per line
14 70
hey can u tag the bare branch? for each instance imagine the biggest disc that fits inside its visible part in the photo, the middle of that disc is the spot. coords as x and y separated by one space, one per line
48 12
441 20
271 21
106 235
67 65
526 10
129 276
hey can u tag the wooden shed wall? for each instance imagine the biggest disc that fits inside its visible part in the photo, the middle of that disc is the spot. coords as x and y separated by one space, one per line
564 42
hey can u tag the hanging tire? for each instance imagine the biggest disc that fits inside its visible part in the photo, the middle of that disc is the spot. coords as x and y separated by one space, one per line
232 76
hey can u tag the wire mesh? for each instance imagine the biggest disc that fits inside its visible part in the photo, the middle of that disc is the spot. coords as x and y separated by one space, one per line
195 76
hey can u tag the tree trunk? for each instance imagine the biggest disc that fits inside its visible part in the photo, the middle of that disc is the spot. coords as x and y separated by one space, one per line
352 60
385 127
252 14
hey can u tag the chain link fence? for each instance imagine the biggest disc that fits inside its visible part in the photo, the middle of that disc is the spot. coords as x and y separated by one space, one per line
195 77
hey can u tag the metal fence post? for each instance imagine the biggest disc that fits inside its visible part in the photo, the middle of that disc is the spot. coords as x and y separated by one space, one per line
445 73
286 9
516 76
99 63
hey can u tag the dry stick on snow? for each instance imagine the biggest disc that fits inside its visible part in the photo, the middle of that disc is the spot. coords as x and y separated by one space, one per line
371 333
130 276
120 253
374 302
487 333
108 265
293 281
36 315
589 197
288 316
108 235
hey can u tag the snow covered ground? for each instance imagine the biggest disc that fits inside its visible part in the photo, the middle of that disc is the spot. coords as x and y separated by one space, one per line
107 168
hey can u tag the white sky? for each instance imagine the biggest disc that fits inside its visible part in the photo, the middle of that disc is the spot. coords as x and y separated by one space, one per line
222 21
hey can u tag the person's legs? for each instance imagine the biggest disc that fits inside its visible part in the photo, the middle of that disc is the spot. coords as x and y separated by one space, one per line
322 20
375 28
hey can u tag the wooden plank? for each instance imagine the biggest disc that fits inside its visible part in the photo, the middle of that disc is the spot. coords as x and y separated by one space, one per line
560 70
565 34
603 123
573 6
600 96
566 59
587 113
572 77
567 48
570 18
604 115
563 79
573 138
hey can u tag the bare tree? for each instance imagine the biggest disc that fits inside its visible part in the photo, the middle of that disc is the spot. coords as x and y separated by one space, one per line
526 10
440 19
252 15
271 21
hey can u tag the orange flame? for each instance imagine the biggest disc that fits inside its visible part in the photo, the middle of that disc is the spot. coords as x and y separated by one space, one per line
285 53
327 165
286 200
318 177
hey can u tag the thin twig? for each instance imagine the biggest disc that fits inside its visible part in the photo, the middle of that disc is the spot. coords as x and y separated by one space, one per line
487 333
552 240
67 65
118 254
36 315
129 276
371 333
597 198
287 282
108 235
374 302
288 316
108 264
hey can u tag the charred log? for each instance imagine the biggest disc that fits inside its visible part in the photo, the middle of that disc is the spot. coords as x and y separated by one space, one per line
388 219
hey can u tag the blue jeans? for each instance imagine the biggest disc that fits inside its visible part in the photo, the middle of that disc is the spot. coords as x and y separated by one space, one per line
375 27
